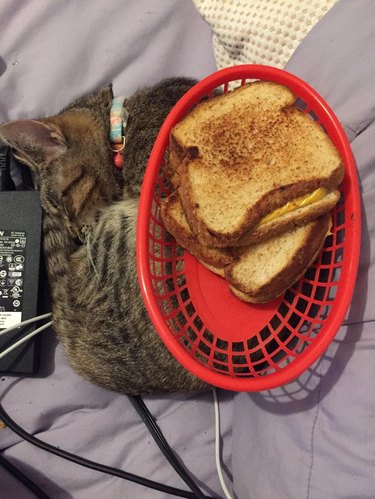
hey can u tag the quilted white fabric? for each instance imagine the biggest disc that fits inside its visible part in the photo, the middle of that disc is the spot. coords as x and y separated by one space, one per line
259 31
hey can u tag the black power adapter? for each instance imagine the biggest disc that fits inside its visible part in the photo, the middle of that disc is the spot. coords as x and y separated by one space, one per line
20 250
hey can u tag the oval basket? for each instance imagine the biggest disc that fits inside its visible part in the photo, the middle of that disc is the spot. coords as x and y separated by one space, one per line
220 339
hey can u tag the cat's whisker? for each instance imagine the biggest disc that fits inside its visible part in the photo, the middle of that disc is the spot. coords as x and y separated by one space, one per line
89 256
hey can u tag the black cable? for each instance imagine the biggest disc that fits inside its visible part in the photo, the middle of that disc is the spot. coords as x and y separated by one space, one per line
4 416
163 445
23 478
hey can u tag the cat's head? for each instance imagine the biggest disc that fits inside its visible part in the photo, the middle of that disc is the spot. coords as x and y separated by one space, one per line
70 156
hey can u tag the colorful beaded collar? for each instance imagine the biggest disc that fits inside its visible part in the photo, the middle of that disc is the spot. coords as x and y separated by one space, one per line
118 120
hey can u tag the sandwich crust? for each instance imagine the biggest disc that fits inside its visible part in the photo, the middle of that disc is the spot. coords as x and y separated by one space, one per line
250 276
175 222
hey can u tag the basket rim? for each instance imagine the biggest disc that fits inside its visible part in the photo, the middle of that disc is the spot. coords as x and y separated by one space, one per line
351 244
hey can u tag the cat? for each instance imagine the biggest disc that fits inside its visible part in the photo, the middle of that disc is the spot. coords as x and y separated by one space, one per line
89 222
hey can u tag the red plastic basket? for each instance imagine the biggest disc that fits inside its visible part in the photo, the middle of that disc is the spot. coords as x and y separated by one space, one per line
222 340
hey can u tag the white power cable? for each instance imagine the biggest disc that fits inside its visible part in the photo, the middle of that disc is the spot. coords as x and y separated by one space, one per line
25 323
217 446
28 336
25 338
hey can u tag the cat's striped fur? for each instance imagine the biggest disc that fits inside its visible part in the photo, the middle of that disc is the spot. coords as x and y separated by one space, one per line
89 225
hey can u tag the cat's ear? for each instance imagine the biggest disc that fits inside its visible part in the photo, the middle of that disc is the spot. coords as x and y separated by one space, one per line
34 142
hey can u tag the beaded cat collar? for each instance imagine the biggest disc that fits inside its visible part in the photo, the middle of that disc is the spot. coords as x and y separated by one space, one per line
118 120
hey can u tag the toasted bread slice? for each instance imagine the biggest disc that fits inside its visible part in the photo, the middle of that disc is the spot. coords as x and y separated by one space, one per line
175 222
199 130
265 270
244 155
288 221
260 272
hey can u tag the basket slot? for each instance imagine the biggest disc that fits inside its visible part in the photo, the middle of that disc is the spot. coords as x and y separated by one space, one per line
173 326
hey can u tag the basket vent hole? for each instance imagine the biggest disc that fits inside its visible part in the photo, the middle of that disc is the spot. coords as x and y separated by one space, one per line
326 257
173 325
300 104
258 361
167 251
340 218
184 293
156 269
328 241
294 320
180 251
241 370
159 232
252 343
315 330
332 292
289 296
181 319
275 322
168 239
313 116
320 292
284 334
283 309
340 236
271 346
191 334
291 345
190 309
301 347
301 305
306 289
185 342
257 356
154 248
279 357
324 313
220 367
173 303
198 323
180 281
179 265
222 357
314 310
324 275
222 344
154 208
310 274
208 336
264 333
336 274
165 307
200 357
169 284
238 346
305 328
204 348
239 359
339 255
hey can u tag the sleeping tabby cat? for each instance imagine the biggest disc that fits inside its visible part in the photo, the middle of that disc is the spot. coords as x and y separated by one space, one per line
90 212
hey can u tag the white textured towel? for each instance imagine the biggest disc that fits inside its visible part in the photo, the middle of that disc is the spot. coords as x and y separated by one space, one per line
259 31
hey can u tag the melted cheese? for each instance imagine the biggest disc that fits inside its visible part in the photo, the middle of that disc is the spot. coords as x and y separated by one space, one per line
311 198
